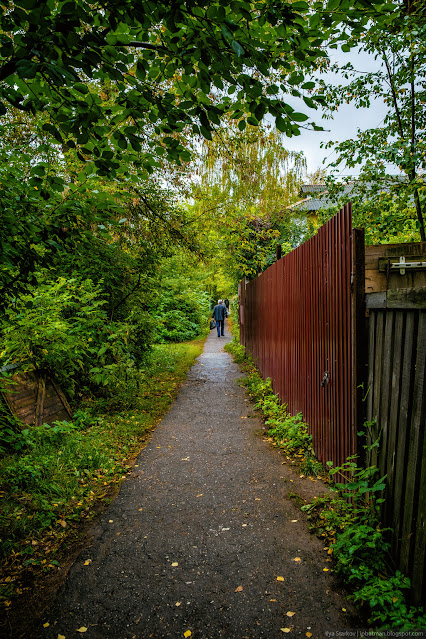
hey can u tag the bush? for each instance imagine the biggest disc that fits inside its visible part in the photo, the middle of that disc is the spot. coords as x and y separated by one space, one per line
58 327
350 523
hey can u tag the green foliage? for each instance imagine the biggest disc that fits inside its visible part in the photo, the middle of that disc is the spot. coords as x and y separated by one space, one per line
360 546
58 327
247 181
237 350
398 143
109 78
388 603
60 473
182 306
10 437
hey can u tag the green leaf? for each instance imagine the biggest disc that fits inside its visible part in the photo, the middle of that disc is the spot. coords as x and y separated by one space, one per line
205 133
237 48
299 117
81 88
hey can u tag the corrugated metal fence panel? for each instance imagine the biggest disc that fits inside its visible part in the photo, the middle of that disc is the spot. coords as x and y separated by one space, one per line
298 327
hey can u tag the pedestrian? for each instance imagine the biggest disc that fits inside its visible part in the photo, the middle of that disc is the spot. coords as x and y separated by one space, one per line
219 314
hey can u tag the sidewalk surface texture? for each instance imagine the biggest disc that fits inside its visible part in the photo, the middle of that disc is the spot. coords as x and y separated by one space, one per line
200 531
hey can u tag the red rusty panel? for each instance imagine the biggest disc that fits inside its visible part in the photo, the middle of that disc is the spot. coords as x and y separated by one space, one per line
297 321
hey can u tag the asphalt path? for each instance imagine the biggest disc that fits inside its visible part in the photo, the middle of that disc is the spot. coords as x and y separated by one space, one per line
203 540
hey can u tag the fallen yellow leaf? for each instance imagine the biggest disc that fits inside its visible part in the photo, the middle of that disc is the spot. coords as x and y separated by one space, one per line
175 563
280 578
293 521
325 569
177 604
87 562
46 625
200 495
61 637
239 589
309 634
290 614
297 559
188 633
82 629
285 629
272 600
344 609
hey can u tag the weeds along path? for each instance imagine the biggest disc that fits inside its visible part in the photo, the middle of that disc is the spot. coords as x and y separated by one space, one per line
203 540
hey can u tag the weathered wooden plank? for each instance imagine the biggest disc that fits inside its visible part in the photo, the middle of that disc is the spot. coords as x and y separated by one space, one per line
403 429
415 445
62 397
40 401
373 253
27 415
376 300
20 404
419 557
412 298
54 414
418 425
396 369
385 392
401 299
24 392
51 399
373 432
378 374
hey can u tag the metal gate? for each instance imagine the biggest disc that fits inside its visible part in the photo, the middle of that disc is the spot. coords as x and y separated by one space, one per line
302 320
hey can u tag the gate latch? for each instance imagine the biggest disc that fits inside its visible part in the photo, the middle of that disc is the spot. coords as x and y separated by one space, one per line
403 264
325 379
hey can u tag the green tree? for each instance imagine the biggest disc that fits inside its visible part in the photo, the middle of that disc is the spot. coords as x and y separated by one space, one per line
399 49
161 68
246 181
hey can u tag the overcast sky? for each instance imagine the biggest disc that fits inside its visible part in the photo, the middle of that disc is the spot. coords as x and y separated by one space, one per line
344 125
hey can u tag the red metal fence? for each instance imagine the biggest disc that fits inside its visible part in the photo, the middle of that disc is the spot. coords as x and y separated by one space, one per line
301 320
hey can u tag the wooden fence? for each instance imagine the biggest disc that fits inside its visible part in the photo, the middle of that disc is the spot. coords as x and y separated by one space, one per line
396 403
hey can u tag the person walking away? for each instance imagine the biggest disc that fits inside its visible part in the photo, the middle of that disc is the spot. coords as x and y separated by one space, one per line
219 314
226 315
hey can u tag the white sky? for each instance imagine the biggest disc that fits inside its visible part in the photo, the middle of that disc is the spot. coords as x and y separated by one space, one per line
344 125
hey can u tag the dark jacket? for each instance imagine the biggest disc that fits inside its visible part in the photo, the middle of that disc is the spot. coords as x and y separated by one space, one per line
219 313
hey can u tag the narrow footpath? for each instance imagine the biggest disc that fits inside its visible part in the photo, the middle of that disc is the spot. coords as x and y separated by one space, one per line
203 540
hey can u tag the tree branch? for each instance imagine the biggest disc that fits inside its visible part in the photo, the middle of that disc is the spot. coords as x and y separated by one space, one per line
136 286
395 103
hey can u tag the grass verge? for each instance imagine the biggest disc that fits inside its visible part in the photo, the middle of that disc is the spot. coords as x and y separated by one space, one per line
68 472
